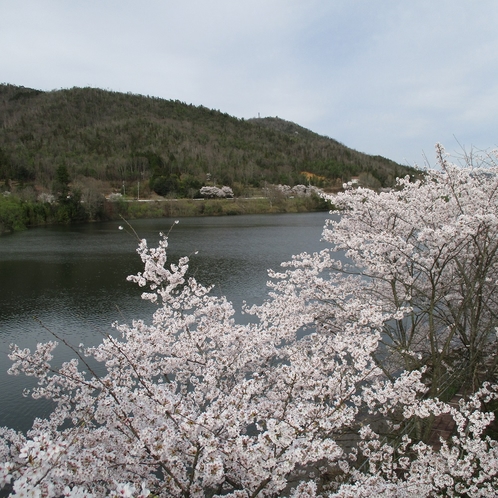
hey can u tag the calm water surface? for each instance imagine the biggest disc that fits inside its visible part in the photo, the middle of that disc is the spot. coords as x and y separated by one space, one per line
73 279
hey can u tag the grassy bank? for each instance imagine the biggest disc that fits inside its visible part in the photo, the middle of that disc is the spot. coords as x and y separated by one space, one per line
213 207
18 214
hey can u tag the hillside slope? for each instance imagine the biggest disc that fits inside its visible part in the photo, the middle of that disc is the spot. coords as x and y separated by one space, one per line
114 137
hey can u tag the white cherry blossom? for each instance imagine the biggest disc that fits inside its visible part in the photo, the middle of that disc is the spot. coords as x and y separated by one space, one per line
333 387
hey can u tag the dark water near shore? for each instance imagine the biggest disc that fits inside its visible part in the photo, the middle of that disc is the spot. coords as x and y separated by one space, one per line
73 279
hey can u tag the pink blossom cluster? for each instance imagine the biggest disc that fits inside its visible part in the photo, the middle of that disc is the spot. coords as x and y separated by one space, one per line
298 190
330 390
213 192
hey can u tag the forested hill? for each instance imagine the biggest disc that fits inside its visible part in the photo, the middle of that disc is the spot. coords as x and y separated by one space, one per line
114 137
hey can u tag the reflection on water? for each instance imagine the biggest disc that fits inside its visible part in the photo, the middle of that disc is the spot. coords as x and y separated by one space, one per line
73 279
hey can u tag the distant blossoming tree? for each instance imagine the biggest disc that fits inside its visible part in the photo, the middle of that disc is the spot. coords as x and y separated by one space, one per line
298 190
332 388
213 192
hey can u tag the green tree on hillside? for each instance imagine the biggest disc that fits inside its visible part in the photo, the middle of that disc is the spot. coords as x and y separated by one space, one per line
61 182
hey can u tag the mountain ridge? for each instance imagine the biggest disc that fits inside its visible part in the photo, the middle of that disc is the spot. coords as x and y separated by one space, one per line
115 137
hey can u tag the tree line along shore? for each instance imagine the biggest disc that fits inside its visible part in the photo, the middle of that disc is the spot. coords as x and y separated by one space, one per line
18 212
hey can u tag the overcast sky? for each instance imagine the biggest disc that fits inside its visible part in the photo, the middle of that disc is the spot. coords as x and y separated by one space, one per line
387 77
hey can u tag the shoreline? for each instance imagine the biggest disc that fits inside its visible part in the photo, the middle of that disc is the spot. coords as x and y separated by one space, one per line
158 208
22 217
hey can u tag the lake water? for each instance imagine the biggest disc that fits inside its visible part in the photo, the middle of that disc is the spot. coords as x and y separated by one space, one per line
73 279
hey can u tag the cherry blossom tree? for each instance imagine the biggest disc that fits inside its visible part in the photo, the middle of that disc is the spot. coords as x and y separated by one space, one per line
424 254
214 192
332 387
